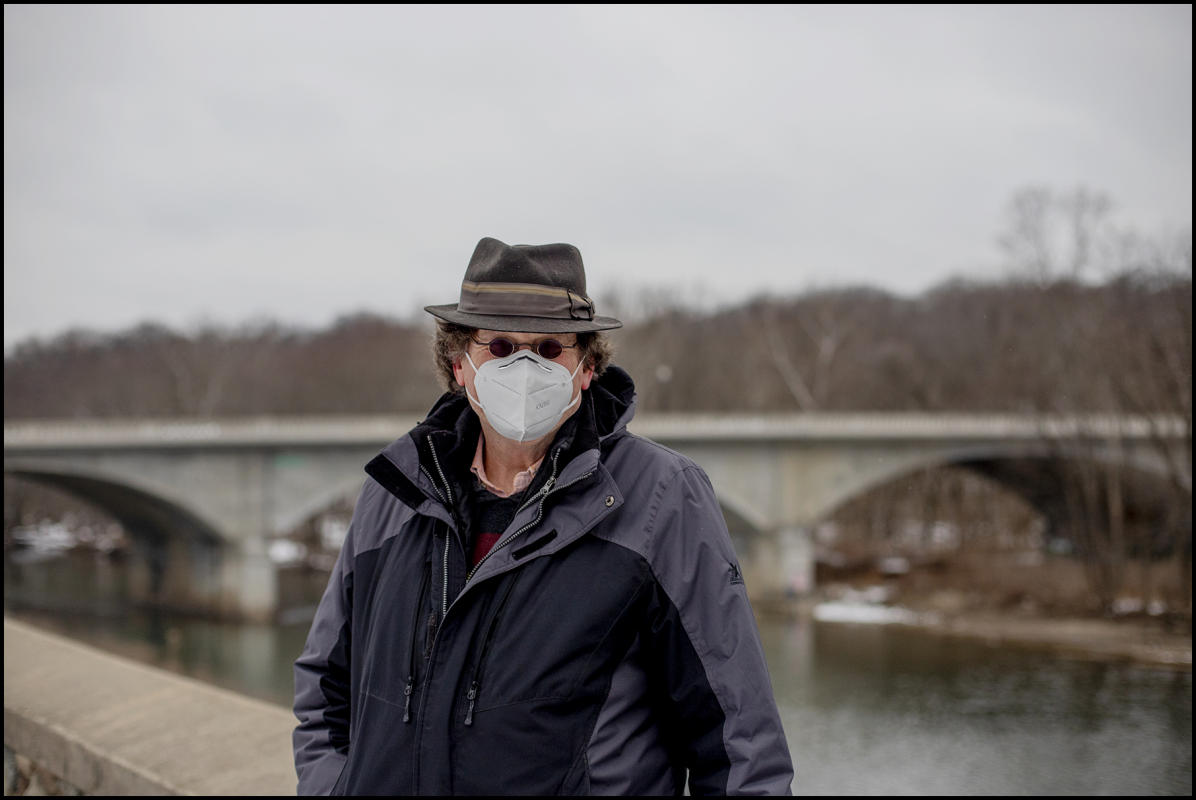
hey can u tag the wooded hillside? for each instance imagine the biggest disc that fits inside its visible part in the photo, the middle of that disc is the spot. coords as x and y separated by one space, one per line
1124 345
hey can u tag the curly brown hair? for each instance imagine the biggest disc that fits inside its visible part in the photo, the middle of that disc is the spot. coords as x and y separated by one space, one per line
452 340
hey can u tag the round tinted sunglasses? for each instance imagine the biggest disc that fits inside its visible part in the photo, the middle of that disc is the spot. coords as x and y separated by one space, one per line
501 347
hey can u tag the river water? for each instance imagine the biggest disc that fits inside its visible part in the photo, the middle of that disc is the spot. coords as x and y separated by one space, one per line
868 709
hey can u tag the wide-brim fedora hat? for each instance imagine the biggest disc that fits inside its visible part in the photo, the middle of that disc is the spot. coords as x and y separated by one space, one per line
525 288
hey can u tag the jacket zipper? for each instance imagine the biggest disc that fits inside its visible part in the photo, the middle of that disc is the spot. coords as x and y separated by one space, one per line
415 617
548 489
424 470
475 681
449 490
543 493
432 480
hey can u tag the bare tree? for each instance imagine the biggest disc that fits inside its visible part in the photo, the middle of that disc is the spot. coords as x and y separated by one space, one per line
1051 235
774 341
1110 356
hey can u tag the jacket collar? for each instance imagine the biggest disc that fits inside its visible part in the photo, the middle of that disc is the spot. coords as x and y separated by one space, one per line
426 467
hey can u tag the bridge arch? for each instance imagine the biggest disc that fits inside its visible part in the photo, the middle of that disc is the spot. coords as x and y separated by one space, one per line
142 513
1036 460
745 526
179 559
347 488
1037 478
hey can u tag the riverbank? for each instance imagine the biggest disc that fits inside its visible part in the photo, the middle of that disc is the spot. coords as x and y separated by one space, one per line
1140 639
1017 599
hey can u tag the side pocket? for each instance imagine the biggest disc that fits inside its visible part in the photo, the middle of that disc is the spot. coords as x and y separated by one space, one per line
484 647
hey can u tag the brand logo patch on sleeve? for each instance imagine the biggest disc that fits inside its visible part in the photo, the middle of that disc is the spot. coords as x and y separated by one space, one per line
735 575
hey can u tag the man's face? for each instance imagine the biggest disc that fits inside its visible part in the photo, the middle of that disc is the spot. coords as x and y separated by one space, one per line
480 353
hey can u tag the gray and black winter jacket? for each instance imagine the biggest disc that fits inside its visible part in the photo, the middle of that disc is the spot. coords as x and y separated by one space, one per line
605 644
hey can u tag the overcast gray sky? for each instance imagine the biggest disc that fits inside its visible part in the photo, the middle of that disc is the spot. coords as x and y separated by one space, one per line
219 164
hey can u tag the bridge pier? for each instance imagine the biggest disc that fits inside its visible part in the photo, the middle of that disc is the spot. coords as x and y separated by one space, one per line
780 563
235 581
250 582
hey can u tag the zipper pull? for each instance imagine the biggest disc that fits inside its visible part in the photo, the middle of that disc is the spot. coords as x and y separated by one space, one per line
472 695
551 478
407 702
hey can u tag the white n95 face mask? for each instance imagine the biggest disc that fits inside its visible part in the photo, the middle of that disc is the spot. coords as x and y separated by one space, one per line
523 395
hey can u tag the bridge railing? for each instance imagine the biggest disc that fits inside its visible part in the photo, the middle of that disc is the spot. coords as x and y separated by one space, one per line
33 435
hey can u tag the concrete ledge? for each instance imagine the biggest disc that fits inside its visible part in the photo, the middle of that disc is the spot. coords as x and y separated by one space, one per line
115 727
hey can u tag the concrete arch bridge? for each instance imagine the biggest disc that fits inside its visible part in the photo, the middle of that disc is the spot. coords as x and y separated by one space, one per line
203 498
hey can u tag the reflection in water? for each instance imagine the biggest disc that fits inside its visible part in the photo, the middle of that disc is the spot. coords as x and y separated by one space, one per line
867 709
882 710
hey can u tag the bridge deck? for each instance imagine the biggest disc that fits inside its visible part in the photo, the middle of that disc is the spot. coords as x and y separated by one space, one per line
378 430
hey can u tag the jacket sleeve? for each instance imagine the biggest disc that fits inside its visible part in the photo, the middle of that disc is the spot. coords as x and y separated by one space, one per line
322 696
717 700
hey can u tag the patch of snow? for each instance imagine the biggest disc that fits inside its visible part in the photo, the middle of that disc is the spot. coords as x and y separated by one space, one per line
870 614
1127 605
893 565
872 595
46 537
285 551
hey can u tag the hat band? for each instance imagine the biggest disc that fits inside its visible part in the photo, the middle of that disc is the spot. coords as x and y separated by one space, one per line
524 300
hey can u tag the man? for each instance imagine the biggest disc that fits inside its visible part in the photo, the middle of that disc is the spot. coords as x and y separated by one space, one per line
530 599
